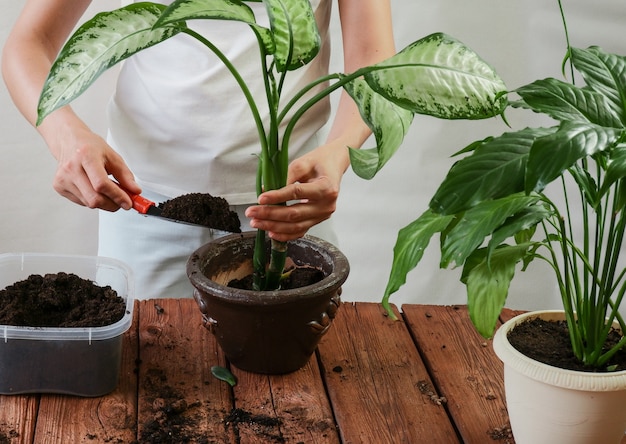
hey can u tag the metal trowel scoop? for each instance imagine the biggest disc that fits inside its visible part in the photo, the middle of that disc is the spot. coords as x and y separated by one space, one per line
220 217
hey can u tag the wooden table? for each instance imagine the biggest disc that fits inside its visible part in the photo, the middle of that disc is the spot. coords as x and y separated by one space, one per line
429 378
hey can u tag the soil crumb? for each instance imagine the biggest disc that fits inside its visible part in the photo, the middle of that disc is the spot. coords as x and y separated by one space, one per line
59 300
202 209
263 426
549 342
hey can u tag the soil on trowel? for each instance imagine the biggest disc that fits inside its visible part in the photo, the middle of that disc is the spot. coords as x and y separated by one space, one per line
548 342
59 300
202 209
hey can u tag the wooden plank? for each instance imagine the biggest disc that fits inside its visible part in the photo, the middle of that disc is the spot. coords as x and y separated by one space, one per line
18 415
464 369
290 408
109 418
179 399
379 387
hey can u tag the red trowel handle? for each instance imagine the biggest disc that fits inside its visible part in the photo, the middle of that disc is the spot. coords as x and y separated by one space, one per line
140 203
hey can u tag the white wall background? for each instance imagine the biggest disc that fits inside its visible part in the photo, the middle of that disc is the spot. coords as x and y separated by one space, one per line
523 39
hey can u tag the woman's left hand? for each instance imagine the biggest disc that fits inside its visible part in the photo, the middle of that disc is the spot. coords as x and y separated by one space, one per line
313 182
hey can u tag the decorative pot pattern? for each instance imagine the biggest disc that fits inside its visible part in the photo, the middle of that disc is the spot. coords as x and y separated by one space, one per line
551 405
272 331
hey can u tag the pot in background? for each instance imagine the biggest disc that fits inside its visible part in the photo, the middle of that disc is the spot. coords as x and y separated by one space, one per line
552 405
270 332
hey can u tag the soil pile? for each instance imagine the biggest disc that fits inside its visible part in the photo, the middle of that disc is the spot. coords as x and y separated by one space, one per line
202 209
59 300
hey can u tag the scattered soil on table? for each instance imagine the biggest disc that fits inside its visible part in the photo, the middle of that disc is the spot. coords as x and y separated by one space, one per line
298 277
6 437
171 419
264 426
202 209
548 342
59 300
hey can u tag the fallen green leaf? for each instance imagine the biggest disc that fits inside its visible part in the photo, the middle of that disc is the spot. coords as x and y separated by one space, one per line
223 374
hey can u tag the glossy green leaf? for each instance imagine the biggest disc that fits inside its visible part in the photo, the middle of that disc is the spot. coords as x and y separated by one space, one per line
495 169
409 249
441 77
477 223
604 73
100 43
518 226
616 169
223 374
564 101
388 122
552 154
488 285
295 33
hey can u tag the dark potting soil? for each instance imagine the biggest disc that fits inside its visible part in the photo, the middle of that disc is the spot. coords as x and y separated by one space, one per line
298 277
172 420
548 342
59 300
202 209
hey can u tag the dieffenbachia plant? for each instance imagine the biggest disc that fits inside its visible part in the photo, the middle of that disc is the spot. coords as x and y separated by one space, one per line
437 76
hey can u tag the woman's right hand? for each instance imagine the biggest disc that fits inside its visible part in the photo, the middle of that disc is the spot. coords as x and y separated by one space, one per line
85 160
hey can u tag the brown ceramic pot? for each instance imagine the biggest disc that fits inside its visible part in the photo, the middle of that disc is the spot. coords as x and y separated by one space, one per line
269 332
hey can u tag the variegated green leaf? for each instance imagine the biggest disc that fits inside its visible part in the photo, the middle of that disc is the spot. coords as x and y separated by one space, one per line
183 10
488 285
295 33
477 223
388 122
409 249
100 43
441 77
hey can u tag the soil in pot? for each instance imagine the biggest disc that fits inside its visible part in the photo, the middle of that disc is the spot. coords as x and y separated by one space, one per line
59 300
548 342
202 209
297 277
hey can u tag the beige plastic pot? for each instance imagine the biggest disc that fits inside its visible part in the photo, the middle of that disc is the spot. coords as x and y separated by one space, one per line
551 405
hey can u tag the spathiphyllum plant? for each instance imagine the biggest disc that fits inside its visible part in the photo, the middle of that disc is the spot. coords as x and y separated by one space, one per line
552 193
436 75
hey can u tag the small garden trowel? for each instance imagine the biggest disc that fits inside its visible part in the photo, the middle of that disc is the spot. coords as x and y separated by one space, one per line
200 210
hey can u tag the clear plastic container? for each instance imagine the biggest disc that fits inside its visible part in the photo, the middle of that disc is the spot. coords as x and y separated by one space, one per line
75 361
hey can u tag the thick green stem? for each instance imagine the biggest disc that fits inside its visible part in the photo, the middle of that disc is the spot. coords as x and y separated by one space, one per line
276 267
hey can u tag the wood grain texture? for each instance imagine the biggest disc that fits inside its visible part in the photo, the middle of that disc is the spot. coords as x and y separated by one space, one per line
378 385
464 368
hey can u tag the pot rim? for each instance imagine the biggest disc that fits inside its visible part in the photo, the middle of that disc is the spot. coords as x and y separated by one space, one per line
570 379
335 279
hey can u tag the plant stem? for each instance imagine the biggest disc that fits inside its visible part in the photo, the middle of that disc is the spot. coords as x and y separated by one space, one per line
276 265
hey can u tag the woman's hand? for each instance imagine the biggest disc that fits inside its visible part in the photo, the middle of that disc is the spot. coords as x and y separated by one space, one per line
313 182
85 162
